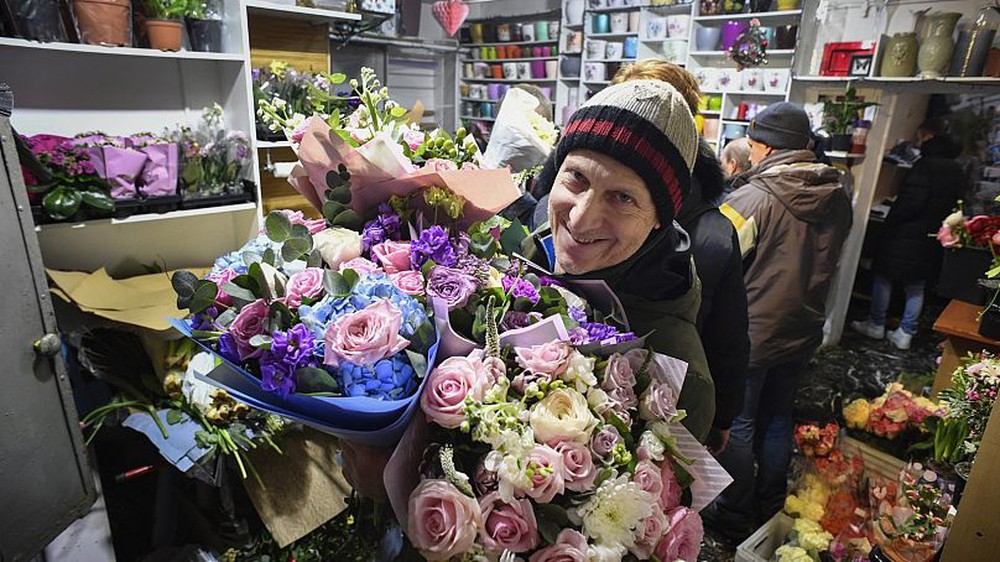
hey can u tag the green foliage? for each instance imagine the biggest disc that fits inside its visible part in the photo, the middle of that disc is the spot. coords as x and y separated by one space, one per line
166 9
841 113
192 293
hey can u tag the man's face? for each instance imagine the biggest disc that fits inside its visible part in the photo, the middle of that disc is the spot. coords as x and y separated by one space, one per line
758 151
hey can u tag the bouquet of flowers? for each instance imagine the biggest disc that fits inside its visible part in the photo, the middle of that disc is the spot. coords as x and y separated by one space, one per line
541 450
815 441
911 515
969 400
213 161
980 231
71 178
285 98
893 421
521 138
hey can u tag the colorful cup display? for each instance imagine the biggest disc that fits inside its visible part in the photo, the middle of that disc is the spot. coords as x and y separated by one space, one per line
503 32
541 31
633 22
614 50
707 38
524 70
600 23
537 69
497 70
551 68
656 28
516 32
678 26
619 22
493 91
631 47
476 31
715 102
596 48
574 42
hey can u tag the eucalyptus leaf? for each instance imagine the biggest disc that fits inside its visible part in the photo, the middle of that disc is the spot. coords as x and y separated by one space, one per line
295 248
261 340
282 314
204 296
314 379
341 194
252 257
277 226
238 292
348 219
300 231
268 257
423 337
226 318
174 417
184 284
335 284
418 362
314 259
351 277
257 274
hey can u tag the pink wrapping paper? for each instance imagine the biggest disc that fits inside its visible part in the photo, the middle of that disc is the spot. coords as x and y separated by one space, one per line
379 169
159 175
123 166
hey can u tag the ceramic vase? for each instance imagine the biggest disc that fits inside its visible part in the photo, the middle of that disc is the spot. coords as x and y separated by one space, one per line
936 50
574 12
900 55
974 43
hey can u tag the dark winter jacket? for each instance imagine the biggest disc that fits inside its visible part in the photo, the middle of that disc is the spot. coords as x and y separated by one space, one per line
792 219
908 250
661 296
722 318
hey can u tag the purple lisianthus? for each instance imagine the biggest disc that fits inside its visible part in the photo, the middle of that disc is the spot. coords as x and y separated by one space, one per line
452 286
289 351
433 244
520 288
205 320
383 227
227 348
514 319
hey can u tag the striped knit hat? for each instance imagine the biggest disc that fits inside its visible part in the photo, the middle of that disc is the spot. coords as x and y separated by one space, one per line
647 126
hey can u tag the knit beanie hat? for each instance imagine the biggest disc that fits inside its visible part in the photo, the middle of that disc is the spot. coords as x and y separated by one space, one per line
647 126
781 125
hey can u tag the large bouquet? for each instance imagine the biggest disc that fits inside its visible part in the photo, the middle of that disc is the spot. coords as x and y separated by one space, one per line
521 138
538 449
969 401
911 515
285 97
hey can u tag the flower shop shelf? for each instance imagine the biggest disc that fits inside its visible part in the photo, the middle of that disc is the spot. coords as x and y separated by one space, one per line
317 15
146 217
274 144
735 122
510 80
843 155
606 9
762 16
507 43
613 60
775 52
523 59
910 84
613 35
82 49
709 112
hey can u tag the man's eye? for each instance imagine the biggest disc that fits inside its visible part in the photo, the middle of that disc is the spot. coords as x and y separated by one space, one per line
624 198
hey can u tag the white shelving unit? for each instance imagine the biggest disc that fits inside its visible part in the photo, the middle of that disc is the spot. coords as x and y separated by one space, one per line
69 88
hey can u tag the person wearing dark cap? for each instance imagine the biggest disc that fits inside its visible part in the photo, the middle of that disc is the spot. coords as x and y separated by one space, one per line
622 171
792 215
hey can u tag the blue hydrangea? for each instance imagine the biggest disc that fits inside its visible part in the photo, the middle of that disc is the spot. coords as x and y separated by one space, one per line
234 260
388 379
375 287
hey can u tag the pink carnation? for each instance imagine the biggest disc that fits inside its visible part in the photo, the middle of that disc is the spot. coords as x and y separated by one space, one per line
508 526
366 336
410 282
360 265
550 359
670 496
683 538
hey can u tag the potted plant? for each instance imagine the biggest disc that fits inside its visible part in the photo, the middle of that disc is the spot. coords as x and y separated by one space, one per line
204 26
163 23
104 22
840 114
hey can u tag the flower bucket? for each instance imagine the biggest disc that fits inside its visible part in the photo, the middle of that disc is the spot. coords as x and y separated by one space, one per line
205 35
39 20
164 35
960 272
103 22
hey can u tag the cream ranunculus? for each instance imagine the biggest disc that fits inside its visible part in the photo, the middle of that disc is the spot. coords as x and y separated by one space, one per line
563 415
337 245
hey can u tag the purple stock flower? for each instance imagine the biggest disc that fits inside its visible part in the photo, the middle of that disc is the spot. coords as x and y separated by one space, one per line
514 319
520 288
204 320
577 314
452 286
605 334
433 244
289 351
383 227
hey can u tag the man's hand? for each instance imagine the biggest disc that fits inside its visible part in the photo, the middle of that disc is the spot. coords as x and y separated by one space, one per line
717 439
364 466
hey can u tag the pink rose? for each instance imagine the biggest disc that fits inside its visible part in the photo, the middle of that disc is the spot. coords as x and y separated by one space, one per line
222 298
443 522
447 386
307 283
413 138
603 443
947 237
570 546
296 217
440 165
578 465
547 480
494 369
550 359
658 402
410 282
648 534
683 538
249 322
670 497
508 526
469 166
647 476
394 256
366 336
360 265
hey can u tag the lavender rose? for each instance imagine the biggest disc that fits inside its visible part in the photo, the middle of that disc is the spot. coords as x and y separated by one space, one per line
251 321
508 526
647 476
452 286
547 480
603 443
579 472
549 359
649 533
443 401
443 521
658 402
570 546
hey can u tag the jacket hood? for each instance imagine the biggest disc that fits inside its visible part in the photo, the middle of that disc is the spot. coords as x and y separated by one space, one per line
803 186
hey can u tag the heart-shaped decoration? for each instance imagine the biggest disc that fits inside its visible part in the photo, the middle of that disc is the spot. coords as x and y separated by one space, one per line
450 14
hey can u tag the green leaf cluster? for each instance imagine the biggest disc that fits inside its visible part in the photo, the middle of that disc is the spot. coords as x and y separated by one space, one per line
338 196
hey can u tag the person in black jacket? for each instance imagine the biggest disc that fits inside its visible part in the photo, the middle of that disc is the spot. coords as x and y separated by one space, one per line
908 252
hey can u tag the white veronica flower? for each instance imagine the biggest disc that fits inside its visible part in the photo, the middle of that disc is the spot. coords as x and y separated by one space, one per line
615 511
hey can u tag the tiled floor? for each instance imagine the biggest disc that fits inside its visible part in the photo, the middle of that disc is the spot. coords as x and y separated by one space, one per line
857 366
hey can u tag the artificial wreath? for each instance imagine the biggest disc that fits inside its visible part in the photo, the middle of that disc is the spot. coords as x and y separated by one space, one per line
750 48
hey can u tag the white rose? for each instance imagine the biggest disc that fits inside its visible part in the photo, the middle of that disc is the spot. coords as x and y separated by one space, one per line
337 245
198 393
563 415
658 402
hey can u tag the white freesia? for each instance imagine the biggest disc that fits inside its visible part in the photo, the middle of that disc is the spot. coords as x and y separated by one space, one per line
562 415
580 372
615 511
652 445
337 245
955 219
602 553
512 474
199 393
495 279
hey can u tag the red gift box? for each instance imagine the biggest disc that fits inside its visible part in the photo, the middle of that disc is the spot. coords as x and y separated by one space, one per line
837 56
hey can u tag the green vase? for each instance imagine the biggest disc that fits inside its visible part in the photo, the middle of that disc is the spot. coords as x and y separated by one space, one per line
899 58
936 50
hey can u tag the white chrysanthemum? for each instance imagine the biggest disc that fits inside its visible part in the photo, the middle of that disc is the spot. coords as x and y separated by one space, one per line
615 511
199 393
580 372
652 445
601 553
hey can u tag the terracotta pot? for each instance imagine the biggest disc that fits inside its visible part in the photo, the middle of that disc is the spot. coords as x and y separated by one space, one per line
992 63
164 35
103 22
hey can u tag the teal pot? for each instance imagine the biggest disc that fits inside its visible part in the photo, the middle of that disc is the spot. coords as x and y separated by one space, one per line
205 35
